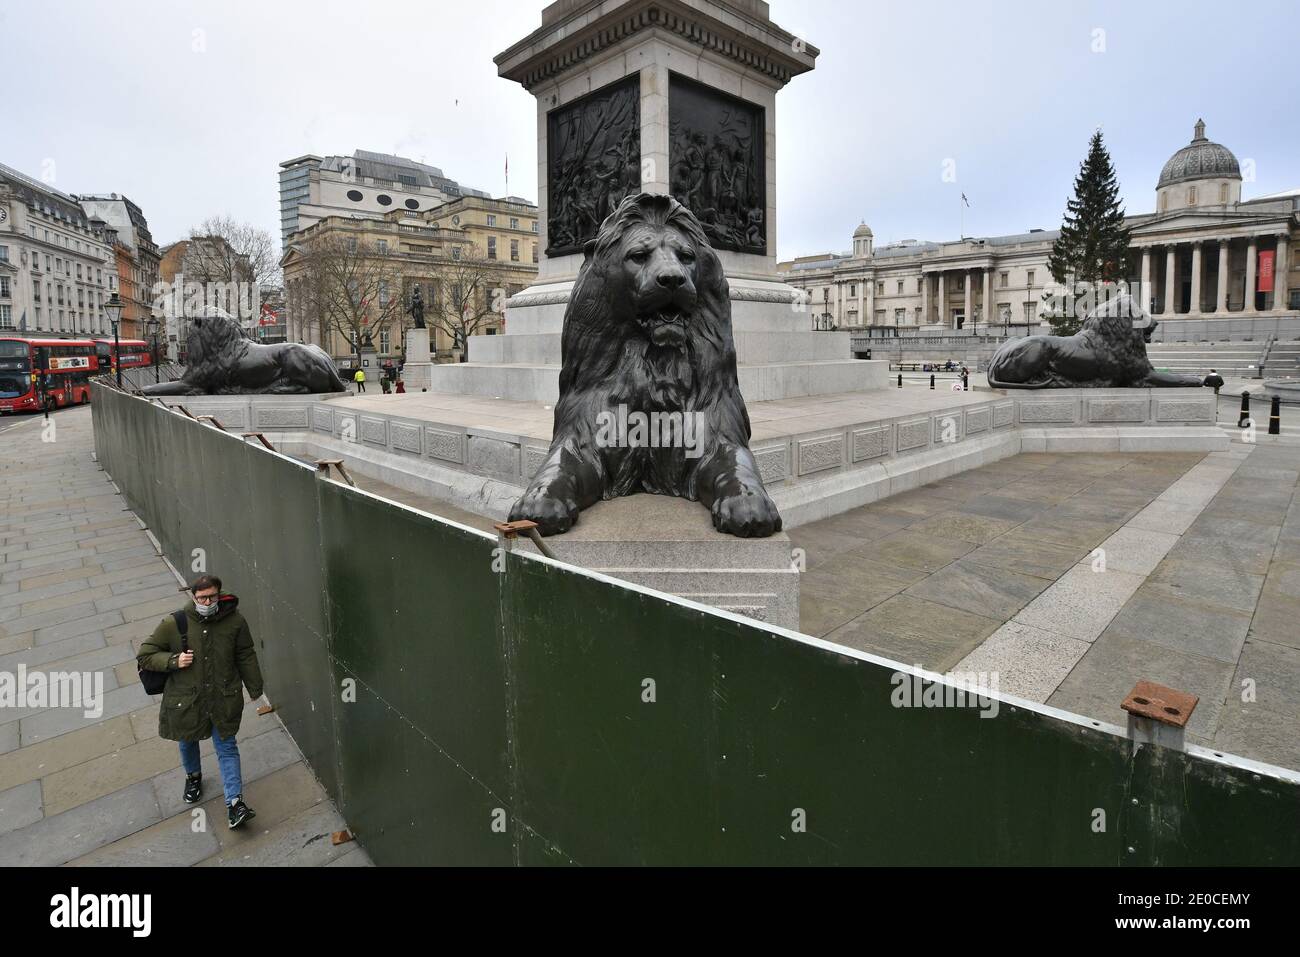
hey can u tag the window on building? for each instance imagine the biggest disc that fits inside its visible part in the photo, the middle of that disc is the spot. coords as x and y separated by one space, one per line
1030 278
491 220
4 287
1029 312
383 340
1191 196
4 254
99 278
60 291
1223 193
514 250
383 293
36 291
492 247
455 252
900 286
352 244
514 223
534 253
78 270
1004 312
853 290
900 316
880 317
1295 299
1003 279
6 317
880 289
382 246
961 283
534 227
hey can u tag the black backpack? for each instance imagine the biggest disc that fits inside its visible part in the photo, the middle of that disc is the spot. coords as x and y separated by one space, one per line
155 681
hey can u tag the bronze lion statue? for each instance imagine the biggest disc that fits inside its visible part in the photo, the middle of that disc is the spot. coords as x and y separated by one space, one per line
1109 351
649 400
223 360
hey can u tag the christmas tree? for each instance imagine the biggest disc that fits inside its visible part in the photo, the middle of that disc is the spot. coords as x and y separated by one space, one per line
1092 248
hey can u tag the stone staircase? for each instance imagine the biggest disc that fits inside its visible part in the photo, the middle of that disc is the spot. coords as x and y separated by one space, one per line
1236 360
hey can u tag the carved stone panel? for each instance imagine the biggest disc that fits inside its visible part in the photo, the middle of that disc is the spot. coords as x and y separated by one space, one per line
1049 410
1118 410
870 443
1185 410
772 466
374 430
977 420
294 417
718 163
1004 414
322 419
593 160
448 446
818 454
914 434
405 437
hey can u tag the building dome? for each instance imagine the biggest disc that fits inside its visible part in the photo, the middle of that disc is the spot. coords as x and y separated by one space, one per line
862 231
1200 159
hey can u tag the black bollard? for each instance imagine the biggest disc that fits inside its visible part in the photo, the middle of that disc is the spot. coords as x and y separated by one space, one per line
931 380
1244 417
900 380
965 383
1275 417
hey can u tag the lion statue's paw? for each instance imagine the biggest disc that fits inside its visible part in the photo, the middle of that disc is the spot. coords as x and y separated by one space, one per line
552 515
749 514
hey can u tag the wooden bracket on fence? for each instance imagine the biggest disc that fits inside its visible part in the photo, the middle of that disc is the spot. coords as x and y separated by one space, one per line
1158 715
214 420
323 465
183 409
508 531
341 837
260 437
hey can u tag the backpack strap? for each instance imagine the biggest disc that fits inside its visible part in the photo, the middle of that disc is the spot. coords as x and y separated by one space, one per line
183 626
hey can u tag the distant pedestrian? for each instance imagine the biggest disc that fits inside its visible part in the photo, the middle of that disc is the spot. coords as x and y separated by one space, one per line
383 384
207 662
1214 381
360 380
401 387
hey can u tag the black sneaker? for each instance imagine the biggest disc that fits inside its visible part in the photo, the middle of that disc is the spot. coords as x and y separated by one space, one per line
239 812
193 787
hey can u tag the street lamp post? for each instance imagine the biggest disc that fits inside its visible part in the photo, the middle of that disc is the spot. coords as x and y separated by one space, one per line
151 326
114 310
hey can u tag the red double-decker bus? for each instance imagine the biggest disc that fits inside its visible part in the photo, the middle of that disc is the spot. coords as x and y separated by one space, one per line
133 353
35 373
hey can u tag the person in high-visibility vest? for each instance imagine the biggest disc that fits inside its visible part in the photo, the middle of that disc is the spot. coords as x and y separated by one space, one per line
360 380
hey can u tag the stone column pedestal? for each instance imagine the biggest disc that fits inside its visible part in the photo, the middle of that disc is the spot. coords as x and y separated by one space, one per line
417 374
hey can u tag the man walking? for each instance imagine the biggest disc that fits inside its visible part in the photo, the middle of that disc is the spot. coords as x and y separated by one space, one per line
202 697
360 380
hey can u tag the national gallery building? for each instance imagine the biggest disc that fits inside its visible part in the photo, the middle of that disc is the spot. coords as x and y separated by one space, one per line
1204 254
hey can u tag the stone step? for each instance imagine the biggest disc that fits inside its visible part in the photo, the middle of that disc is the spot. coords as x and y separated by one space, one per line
528 382
752 348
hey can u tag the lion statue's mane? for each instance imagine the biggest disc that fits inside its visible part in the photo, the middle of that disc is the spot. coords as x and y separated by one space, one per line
223 360
635 340
1108 351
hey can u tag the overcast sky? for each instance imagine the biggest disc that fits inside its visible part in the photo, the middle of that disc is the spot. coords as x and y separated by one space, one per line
188 107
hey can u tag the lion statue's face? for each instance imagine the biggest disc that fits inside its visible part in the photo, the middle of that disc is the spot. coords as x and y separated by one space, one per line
657 272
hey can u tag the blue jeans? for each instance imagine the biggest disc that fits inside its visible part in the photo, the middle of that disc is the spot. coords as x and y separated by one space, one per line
227 760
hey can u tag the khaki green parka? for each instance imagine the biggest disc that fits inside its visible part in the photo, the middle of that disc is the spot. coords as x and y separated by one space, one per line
207 693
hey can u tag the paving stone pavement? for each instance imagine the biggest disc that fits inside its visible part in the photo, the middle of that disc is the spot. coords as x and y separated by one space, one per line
80 586
995 570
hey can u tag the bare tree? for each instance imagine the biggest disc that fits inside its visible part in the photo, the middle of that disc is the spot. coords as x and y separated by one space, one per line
233 252
350 286
470 296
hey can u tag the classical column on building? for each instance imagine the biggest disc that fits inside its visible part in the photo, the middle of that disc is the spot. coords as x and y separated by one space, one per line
986 307
1170 264
1280 270
1146 294
862 294
941 314
968 306
925 299
1221 292
1195 307
1252 258
871 300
